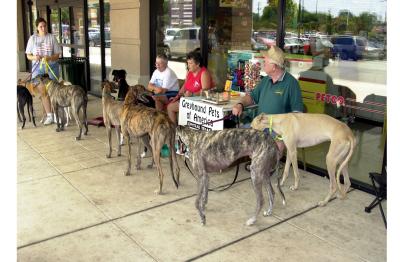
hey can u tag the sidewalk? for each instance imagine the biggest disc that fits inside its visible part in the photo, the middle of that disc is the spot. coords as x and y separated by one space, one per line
74 204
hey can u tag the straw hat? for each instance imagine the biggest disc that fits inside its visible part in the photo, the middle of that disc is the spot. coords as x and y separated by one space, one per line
275 55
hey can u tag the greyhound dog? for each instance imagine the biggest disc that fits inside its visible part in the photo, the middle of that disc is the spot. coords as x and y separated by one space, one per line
111 111
64 96
304 130
215 150
24 98
32 88
138 120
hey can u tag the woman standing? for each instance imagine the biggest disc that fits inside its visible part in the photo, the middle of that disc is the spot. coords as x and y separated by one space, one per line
43 50
198 78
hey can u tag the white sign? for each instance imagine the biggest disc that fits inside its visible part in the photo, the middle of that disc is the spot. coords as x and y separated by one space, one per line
199 115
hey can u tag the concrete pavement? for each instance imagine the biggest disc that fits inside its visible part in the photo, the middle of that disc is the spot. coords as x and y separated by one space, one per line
74 204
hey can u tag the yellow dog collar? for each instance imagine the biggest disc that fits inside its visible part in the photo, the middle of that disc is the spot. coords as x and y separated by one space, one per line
275 137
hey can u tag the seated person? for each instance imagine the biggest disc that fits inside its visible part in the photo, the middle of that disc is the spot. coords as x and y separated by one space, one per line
277 93
198 78
163 83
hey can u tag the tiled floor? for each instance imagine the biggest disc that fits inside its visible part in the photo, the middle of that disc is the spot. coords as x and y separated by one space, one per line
74 204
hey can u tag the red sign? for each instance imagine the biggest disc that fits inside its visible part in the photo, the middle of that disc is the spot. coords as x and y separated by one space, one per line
328 98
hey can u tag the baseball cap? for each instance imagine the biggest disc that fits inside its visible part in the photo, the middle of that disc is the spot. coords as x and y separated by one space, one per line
276 55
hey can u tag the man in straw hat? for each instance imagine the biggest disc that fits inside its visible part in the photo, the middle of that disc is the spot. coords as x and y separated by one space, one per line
277 93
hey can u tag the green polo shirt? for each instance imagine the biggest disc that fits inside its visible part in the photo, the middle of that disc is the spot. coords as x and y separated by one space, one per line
282 97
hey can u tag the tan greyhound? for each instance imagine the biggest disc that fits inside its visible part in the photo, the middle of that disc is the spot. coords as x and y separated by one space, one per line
304 130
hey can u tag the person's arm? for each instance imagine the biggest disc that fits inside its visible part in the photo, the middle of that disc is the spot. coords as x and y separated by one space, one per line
29 51
206 80
239 107
156 90
296 100
52 58
181 92
32 57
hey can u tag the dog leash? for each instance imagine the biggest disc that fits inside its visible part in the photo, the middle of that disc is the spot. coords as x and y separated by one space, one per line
227 117
47 66
211 189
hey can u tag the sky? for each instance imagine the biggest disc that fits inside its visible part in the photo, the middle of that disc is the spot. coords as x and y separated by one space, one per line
355 6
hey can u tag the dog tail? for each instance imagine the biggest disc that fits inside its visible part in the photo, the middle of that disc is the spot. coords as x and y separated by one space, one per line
342 191
172 158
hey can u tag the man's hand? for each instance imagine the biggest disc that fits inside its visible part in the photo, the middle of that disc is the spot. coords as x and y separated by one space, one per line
237 109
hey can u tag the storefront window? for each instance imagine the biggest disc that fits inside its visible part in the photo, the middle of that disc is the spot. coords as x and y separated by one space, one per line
178 31
54 22
337 50
107 36
94 45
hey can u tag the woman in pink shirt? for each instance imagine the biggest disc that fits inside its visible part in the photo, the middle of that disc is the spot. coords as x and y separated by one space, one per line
197 79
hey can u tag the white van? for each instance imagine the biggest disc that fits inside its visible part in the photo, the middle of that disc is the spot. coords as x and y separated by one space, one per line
184 41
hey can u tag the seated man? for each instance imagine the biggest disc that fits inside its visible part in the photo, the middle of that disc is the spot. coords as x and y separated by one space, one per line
163 83
277 93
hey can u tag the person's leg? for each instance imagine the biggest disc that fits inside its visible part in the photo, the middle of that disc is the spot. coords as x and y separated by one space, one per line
45 99
46 105
172 110
160 102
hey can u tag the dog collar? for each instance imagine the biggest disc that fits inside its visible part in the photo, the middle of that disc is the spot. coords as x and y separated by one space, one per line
276 136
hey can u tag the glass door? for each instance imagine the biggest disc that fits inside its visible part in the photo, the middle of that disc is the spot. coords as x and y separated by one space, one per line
99 41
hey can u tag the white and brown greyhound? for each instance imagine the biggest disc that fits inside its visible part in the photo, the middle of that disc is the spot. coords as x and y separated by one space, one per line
304 130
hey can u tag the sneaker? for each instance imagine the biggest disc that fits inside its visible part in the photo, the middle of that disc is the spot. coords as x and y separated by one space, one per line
48 121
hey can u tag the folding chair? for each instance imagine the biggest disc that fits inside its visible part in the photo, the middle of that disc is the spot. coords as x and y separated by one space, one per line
379 186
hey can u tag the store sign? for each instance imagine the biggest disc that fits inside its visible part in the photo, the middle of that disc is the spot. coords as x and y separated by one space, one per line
199 115
330 99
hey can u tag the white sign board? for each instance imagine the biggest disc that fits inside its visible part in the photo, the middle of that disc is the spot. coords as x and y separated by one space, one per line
198 114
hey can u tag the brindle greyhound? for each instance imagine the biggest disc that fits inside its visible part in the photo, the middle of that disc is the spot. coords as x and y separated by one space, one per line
138 120
64 96
215 150
111 112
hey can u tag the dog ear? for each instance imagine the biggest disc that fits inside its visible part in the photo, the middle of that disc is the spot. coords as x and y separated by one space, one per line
130 97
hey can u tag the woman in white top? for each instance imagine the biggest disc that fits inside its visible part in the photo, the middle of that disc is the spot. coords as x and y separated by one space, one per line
43 50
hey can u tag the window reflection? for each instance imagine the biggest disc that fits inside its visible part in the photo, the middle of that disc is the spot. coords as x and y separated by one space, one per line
178 31
337 50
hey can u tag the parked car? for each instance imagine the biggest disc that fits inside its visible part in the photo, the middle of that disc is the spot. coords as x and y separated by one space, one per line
348 47
292 45
169 35
306 47
94 38
184 41
374 50
257 46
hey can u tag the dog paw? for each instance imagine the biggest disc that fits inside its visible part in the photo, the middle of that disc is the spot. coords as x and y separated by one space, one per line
157 192
119 154
322 203
293 188
108 156
267 212
77 138
250 221
127 173
150 166
57 129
